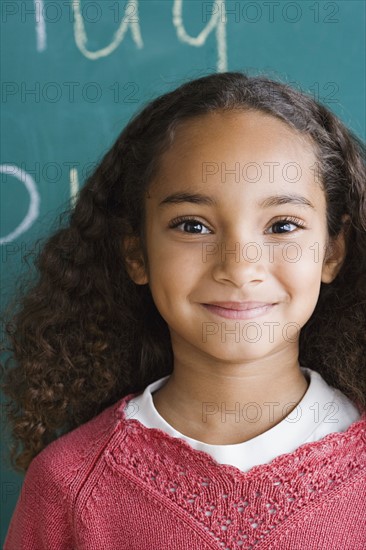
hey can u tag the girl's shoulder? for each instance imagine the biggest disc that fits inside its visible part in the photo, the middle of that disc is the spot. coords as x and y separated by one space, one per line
69 458
58 479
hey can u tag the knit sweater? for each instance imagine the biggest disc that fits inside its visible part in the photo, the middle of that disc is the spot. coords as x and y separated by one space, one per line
114 484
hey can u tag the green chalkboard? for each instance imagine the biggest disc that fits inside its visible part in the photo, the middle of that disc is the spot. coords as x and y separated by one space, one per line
74 71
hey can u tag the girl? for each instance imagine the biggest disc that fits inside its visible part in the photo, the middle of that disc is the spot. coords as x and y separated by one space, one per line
199 330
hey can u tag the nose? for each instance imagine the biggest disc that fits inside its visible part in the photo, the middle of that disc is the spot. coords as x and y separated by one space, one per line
239 264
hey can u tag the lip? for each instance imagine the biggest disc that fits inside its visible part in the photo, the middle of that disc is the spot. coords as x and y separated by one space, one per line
239 310
239 306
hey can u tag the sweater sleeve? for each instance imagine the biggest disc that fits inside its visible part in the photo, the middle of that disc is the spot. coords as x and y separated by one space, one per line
41 519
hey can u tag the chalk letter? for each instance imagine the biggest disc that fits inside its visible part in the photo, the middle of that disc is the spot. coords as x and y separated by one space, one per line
81 38
216 22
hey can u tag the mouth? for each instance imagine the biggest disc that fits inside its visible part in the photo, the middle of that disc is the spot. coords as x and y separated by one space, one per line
239 310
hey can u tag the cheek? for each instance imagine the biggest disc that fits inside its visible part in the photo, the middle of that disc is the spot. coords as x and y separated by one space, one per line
299 273
174 259
299 259
173 269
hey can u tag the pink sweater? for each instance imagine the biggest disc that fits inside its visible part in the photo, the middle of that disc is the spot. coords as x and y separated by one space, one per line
113 484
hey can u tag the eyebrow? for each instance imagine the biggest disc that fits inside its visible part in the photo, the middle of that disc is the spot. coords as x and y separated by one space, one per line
276 200
198 198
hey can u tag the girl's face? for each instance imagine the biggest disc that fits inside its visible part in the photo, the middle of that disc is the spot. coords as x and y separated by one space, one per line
257 233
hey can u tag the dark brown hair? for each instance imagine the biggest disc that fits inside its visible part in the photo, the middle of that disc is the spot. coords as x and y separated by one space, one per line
84 334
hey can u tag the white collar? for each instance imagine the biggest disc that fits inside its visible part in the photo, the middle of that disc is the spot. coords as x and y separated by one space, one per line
322 410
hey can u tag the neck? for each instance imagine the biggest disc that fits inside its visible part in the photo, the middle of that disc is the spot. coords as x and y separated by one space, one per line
231 404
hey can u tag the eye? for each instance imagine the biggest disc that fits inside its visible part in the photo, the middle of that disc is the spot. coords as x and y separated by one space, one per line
188 222
287 222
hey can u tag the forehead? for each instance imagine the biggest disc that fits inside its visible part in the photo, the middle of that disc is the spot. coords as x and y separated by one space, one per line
224 147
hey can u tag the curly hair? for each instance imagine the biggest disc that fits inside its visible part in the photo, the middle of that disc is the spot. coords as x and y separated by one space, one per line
84 334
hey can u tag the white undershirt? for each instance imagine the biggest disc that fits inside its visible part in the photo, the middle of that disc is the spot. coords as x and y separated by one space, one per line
322 410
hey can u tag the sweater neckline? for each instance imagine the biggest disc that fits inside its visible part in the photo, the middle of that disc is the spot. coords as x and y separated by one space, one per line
328 447
322 410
